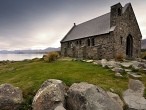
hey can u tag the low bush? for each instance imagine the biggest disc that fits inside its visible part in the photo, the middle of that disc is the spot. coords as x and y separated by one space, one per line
51 56
119 57
143 55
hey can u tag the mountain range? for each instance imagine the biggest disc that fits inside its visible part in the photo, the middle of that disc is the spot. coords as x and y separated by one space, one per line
143 44
49 49
29 51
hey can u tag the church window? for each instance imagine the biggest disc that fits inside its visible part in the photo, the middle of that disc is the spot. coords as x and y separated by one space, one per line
68 44
93 42
80 42
77 42
121 40
119 11
88 42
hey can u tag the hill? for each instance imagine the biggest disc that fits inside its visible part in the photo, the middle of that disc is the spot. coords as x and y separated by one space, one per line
143 44
37 51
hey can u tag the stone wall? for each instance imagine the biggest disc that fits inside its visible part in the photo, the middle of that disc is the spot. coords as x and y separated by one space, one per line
112 44
126 24
102 48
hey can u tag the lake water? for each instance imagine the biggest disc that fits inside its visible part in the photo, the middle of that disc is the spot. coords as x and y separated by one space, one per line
19 57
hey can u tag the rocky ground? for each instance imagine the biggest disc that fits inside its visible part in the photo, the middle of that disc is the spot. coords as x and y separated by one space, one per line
132 68
55 95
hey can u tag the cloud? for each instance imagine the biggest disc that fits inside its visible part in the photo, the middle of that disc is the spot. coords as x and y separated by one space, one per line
43 23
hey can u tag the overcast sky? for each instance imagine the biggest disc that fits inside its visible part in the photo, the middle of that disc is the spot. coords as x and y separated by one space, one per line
34 24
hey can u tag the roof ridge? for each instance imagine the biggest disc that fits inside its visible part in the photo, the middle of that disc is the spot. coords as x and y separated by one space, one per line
125 7
93 19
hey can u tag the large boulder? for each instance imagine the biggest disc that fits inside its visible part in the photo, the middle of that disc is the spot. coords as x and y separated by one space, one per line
50 96
116 98
84 96
10 97
133 96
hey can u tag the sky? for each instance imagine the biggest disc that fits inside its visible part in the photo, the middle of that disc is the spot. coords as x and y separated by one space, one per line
38 24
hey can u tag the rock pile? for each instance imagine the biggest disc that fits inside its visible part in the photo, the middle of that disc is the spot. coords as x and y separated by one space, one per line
129 67
55 95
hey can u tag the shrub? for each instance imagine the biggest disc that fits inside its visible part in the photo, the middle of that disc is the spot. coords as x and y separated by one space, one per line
143 55
119 57
51 56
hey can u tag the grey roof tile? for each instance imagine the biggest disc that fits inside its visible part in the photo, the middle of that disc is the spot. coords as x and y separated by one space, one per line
96 26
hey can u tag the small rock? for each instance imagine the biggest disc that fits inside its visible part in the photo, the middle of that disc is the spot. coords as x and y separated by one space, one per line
144 70
89 61
134 75
111 89
104 62
126 64
128 70
112 63
98 62
118 75
118 70
10 97
84 60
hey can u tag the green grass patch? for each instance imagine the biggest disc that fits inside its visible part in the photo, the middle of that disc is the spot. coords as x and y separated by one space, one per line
29 75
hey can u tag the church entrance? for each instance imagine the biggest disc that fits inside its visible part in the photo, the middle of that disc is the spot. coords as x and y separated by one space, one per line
129 46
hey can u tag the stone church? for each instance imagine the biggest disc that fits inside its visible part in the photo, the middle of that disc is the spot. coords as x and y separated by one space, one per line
108 36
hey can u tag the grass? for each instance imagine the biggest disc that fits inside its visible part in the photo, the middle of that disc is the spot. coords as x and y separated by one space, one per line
29 75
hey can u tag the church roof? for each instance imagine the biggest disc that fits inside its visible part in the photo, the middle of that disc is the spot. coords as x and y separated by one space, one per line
96 26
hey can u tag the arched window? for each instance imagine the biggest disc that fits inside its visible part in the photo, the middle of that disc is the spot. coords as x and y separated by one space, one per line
80 42
88 42
93 42
77 42
119 11
121 40
68 44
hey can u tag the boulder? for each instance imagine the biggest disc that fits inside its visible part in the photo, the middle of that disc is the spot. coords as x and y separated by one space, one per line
133 96
116 98
84 96
104 62
50 95
10 97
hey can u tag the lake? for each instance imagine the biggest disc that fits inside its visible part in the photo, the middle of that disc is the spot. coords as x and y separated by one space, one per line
19 57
